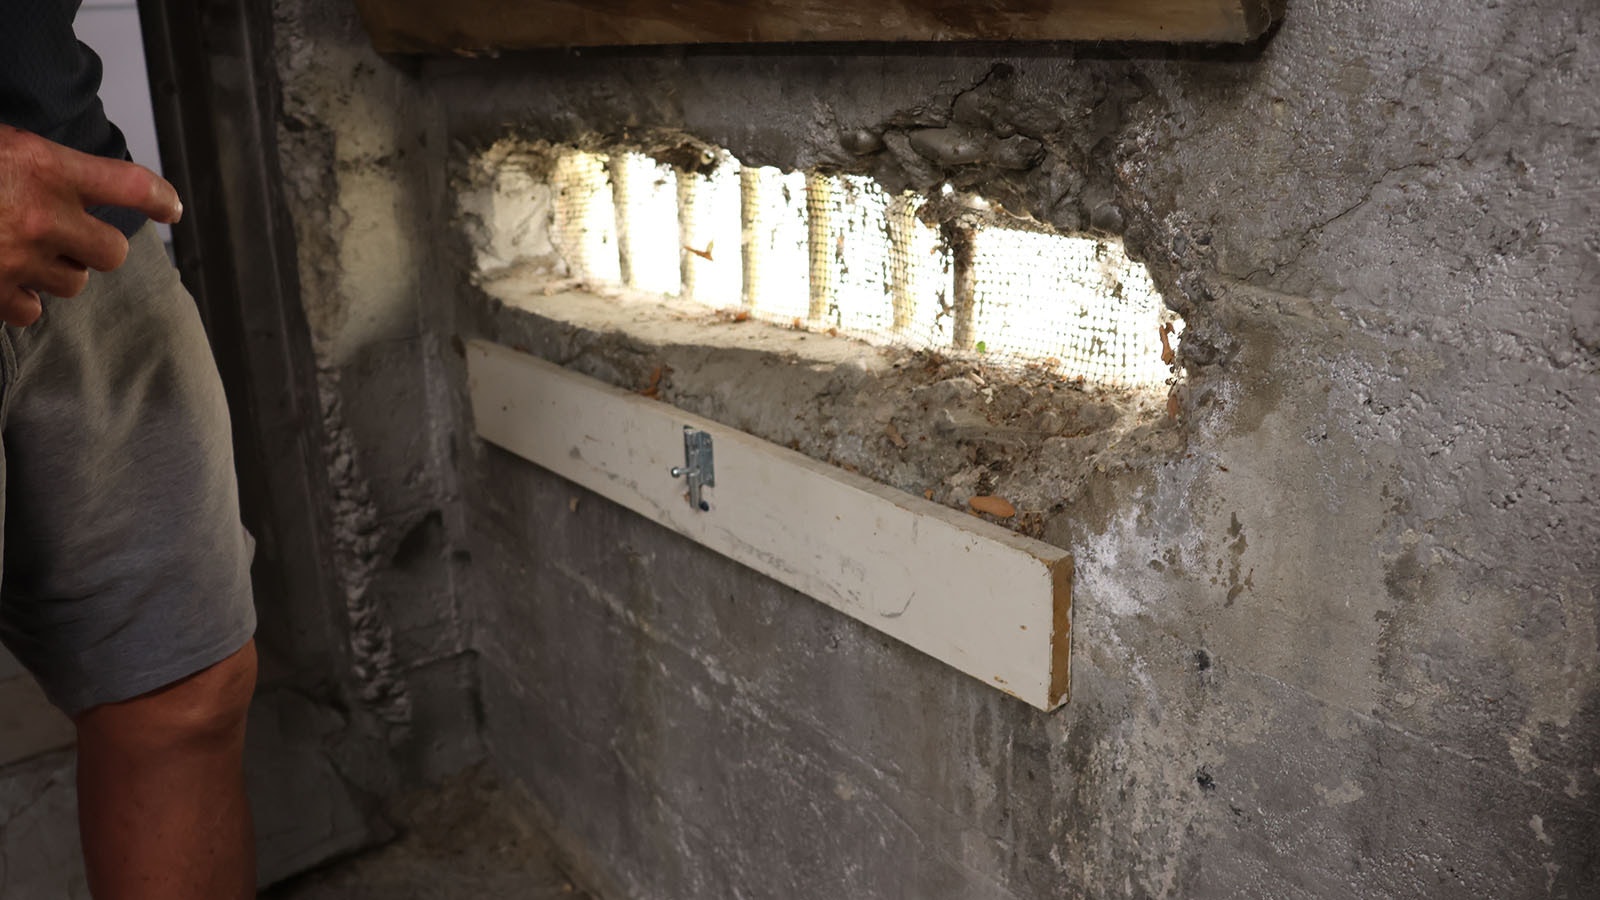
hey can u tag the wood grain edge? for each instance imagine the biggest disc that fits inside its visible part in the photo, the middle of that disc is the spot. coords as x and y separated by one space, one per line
1060 689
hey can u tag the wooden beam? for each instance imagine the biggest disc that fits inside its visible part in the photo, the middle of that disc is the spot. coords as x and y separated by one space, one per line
985 600
483 26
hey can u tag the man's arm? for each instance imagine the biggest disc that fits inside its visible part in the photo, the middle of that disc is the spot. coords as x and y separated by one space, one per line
48 241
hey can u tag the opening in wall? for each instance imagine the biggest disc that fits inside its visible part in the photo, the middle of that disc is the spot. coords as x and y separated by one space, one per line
837 253
909 490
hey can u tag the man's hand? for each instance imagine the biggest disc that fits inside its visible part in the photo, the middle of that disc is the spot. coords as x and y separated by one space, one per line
48 242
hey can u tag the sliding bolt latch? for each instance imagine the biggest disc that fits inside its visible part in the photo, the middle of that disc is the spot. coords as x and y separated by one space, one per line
697 469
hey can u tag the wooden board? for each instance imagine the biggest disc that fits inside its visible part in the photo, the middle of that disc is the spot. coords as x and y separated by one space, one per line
989 602
480 26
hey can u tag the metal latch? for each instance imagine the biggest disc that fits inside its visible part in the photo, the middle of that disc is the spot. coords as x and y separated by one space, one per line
697 468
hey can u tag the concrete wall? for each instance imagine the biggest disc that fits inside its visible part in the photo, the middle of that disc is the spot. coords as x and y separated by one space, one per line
352 145
1343 643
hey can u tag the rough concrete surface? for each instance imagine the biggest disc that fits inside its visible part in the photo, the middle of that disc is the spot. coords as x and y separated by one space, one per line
349 138
466 839
39 850
945 427
1342 641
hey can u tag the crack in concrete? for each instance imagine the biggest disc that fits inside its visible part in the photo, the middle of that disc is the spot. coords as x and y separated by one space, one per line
1511 106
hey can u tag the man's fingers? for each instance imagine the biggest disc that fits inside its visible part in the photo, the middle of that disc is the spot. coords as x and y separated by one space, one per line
63 278
94 244
19 306
110 182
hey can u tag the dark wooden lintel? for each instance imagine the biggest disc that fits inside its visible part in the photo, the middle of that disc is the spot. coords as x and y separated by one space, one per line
472 27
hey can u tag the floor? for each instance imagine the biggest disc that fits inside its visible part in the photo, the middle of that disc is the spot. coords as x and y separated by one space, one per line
29 725
466 840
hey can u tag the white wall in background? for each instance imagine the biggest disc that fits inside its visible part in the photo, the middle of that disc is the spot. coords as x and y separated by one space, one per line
111 28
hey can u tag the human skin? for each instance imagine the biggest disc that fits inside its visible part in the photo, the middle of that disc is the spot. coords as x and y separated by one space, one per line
48 240
161 794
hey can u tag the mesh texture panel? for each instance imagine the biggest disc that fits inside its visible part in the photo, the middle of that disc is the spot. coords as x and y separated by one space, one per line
838 254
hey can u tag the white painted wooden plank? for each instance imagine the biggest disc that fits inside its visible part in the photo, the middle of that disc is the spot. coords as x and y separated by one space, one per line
992 603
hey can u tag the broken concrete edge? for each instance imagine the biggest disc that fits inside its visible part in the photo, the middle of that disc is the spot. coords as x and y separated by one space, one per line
948 153
968 428
946 146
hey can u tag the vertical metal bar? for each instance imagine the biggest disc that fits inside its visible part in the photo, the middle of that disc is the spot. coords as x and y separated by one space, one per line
751 242
819 240
580 224
688 187
567 218
902 222
617 169
959 237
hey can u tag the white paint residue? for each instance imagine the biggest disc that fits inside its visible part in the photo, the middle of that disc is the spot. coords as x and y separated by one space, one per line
1346 793
1100 569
